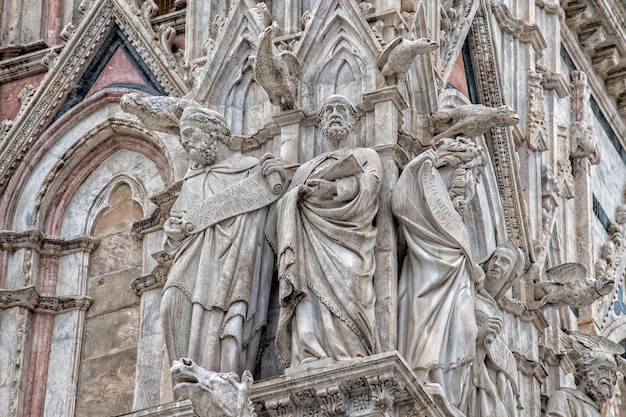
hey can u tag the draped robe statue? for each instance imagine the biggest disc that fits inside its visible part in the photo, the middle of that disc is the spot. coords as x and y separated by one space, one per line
326 250
436 325
215 299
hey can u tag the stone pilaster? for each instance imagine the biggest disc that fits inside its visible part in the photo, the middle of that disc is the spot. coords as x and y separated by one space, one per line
385 108
290 134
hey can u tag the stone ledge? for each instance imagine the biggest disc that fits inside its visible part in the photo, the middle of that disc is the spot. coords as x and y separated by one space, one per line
379 385
173 409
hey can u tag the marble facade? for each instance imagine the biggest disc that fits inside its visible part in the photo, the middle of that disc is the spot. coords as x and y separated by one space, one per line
87 185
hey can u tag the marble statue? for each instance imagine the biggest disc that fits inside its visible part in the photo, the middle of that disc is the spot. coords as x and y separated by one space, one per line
595 359
216 296
278 73
471 120
495 389
567 286
398 56
436 326
326 249
214 394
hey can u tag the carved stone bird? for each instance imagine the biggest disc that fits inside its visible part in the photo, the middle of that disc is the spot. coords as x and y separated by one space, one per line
567 286
277 73
161 113
471 120
398 56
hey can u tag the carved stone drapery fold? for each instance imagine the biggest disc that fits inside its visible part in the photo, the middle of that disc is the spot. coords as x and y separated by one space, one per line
30 298
46 245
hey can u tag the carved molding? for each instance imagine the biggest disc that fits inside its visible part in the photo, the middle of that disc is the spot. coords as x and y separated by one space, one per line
164 200
518 28
536 129
26 64
46 245
155 279
381 385
30 298
504 157
69 65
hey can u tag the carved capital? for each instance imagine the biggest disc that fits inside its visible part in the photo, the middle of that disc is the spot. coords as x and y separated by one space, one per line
46 245
383 389
154 279
30 298
279 407
332 401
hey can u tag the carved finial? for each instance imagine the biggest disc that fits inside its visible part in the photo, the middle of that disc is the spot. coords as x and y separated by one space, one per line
167 35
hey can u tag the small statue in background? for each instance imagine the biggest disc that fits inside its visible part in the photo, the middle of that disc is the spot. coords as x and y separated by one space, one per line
495 390
326 249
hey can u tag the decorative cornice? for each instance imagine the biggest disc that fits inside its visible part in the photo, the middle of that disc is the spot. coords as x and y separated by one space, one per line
46 245
28 64
155 279
518 28
30 298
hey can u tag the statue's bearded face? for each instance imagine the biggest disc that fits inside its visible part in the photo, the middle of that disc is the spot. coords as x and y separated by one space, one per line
198 144
337 120
600 380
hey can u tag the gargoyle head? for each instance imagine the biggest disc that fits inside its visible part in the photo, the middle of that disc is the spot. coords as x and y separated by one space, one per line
506 116
604 285
214 394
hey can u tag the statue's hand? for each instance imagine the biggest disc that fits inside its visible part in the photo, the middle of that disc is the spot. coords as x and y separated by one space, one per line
320 188
489 331
270 164
174 228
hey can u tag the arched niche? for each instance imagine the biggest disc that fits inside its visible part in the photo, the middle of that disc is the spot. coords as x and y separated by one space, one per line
248 107
335 62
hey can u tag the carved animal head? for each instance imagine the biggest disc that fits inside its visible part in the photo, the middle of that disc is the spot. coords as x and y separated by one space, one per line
604 285
506 116
265 40
214 394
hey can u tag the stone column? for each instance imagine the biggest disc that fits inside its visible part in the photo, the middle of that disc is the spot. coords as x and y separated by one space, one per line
293 14
200 16
290 133
15 327
384 119
67 338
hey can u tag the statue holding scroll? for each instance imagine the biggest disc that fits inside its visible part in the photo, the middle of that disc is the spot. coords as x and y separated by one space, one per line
436 326
326 249
215 299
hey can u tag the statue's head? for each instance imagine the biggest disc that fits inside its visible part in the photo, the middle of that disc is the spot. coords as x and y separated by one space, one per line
596 375
200 131
505 265
337 117
467 159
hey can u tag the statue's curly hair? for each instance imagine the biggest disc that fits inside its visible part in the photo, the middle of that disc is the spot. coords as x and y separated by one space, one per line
211 122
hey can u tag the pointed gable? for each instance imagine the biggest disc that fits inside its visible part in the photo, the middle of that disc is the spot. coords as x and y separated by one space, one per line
71 75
